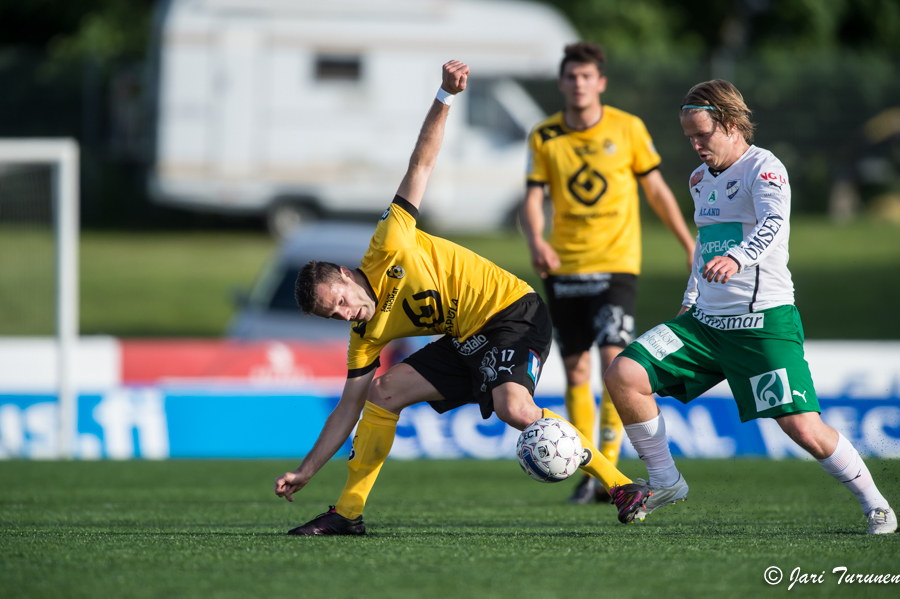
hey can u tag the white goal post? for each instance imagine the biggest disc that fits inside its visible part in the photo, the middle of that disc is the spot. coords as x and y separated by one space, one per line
63 155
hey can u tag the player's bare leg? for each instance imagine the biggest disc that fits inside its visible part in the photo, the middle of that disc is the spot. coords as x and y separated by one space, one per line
629 386
839 458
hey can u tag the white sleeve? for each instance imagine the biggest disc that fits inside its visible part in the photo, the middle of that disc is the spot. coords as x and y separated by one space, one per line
690 294
771 194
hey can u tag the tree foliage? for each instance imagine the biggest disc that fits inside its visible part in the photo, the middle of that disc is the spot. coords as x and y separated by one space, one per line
697 28
102 29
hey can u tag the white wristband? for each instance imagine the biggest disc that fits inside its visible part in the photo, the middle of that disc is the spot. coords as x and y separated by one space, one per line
444 97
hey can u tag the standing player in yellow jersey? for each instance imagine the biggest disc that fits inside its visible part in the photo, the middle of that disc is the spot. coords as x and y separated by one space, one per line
592 156
496 330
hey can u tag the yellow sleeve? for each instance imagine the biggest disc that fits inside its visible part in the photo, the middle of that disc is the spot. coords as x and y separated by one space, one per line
397 228
645 156
536 169
362 355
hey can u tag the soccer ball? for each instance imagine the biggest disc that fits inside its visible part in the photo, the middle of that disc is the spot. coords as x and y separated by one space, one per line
549 450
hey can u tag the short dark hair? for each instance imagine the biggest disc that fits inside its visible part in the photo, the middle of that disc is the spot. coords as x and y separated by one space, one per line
308 280
584 53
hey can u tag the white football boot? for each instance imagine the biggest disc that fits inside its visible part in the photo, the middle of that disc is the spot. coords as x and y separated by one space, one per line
882 521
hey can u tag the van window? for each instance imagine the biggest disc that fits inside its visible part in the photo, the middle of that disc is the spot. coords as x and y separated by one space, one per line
274 289
337 67
487 112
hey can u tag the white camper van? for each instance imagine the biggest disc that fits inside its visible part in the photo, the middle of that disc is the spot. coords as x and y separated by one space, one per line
299 109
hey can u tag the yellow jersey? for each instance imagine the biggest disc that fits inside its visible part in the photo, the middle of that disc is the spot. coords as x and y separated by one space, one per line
593 188
424 285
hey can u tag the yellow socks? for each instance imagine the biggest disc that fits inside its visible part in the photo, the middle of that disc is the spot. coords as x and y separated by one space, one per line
582 409
599 466
371 446
583 413
611 429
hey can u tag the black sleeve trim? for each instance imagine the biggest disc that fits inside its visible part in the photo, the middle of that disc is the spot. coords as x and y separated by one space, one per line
413 211
535 184
647 172
353 373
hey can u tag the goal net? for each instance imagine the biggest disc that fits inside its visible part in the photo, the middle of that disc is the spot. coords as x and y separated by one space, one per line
39 257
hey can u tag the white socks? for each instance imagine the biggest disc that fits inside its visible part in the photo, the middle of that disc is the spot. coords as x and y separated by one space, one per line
650 441
846 465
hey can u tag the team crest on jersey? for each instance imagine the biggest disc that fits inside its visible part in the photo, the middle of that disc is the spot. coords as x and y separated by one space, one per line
609 148
587 185
732 188
712 197
696 177
396 272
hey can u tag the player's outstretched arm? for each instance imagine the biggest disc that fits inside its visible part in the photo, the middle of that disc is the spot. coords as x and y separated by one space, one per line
424 157
336 430
663 202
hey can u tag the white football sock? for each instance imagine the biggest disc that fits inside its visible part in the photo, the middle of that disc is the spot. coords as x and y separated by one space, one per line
650 441
846 465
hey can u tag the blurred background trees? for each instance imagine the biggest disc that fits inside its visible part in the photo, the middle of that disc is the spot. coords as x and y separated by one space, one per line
821 77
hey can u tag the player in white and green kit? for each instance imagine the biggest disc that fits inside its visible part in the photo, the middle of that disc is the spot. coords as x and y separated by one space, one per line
738 321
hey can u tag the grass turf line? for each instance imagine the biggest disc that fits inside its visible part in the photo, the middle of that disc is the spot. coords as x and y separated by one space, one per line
437 529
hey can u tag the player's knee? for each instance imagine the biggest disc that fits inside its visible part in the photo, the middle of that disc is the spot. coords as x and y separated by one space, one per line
517 412
619 375
381 394
578 369
809 432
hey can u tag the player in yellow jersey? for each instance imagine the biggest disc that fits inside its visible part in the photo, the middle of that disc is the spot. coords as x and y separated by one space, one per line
496 330
592 156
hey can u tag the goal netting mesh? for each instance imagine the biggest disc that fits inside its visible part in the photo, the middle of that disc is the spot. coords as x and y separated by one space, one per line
27 250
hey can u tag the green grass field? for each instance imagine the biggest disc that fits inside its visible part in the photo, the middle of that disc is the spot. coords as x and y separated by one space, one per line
214 529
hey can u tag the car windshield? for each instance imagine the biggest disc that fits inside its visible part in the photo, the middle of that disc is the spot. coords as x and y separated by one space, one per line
282 297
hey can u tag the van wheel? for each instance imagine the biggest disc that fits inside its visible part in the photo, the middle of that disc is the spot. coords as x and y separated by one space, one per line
284 218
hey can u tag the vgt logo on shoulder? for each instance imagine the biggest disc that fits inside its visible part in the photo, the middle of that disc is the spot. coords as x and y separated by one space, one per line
771 389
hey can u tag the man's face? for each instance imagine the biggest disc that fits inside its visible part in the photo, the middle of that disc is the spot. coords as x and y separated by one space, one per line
581 84
344 300
713 144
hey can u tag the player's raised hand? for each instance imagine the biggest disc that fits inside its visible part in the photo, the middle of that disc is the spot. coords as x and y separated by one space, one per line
454 76
289 483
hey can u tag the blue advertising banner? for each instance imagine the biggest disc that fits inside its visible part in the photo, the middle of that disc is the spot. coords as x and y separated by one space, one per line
228 422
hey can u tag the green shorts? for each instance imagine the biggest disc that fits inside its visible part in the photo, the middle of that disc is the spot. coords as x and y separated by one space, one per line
760 354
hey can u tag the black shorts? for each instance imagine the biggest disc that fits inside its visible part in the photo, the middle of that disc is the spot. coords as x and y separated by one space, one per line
510 348
592 308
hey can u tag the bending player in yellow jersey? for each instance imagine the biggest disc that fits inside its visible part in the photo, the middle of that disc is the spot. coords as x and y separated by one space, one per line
496 330
592 156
